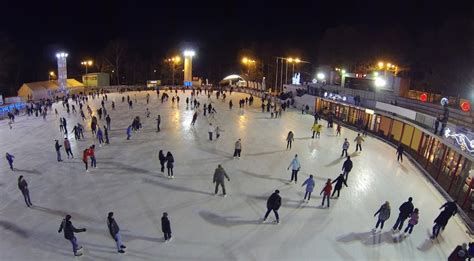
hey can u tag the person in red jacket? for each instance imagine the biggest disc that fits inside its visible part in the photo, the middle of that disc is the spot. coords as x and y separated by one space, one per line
92 156
327 192
85 154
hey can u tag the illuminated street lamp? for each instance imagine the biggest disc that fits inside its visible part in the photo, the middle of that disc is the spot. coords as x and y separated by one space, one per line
87 64
51 75
321 76
293 61
172 61
380 82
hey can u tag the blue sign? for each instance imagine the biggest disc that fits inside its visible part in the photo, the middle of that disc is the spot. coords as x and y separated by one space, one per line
188 84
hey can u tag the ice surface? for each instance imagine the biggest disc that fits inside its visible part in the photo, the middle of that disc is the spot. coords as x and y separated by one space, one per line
128 181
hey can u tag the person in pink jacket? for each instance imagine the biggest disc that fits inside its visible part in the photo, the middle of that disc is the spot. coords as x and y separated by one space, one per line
412 222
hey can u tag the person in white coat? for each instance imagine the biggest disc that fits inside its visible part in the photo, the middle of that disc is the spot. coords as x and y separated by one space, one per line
295 167
210 131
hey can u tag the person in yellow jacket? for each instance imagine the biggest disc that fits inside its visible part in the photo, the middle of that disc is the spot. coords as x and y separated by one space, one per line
359 141
316 130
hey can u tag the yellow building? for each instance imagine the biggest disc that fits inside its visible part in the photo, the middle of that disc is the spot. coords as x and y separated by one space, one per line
48 89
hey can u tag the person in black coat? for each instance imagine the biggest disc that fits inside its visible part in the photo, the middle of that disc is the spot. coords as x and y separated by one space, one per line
166 226
339 181
405 210
58 150
347 167
69 231
440 223
23 186
400 150
170 164
115 232
273 203
162 159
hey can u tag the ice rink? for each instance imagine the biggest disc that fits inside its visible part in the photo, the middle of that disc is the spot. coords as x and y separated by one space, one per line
128 182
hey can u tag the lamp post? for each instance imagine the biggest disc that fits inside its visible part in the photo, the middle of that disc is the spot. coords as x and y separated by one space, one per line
51 75
248 62
87 64
172 62
62 71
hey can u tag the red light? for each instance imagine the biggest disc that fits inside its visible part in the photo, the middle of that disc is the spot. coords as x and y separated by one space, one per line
465 106
423 97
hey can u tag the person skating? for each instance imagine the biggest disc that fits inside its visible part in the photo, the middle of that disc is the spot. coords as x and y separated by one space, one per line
327 192
218 132
338 130
170 164
384 215
166 226
58 150
295 167
219 175
400 150
100 136
309 182
289 139
106 134
347 167
85 155
358 140
412 222
315 128
92 156
162 159
450 209
345 147
69 231
230 105
108 120
273 204
129 132
237 149
405 210
210 130
440 223
158 122
9 158
115 232
195 115
67 147
339 181
23 186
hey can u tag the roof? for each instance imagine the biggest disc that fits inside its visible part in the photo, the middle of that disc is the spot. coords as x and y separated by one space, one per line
52 85
233 77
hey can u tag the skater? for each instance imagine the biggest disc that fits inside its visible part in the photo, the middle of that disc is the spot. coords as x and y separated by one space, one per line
338 130
162 160
9 158
67 147
450 209
314 128
230 105
115 232
219 175
347 167
106 134
23 186
339 181
58 150
195 115
129 132
400 152
359 141
210 130
345 147
170 164
289 139
108 120
100 136
327 192
158 121
405 210
295 167
384 214
92 156
218 132
69 231
412 222
440 223
166 226
273 204
85 155
309 182
237 148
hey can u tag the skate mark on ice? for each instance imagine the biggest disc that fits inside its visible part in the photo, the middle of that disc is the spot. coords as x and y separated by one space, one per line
13 228
33 171
224 221
174 187
268 177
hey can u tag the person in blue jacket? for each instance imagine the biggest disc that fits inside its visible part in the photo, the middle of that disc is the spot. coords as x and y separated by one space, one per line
295 167
309 182
129 132
9 158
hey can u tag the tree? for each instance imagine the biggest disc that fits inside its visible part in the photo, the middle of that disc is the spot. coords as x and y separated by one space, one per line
114 56
10 66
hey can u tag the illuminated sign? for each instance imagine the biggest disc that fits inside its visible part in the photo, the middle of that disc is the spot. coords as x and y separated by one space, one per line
461 139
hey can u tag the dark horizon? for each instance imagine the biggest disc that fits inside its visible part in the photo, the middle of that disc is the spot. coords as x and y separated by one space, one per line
220 35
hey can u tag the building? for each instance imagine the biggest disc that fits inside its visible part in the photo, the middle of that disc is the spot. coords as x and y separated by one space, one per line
96 79
48 89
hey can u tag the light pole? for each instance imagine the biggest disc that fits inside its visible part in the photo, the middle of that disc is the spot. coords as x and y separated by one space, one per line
188 66
172 62
62 71
248 62
87 64
51 75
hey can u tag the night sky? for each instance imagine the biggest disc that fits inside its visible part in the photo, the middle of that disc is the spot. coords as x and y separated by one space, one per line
217 32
